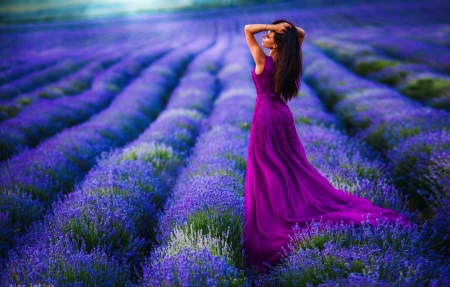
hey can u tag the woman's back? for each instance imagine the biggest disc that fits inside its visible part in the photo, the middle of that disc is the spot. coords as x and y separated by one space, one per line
264 81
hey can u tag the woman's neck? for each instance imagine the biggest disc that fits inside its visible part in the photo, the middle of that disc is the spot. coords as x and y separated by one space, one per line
273 54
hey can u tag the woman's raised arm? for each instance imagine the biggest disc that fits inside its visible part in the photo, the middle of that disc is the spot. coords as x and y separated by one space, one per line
301 34
257 52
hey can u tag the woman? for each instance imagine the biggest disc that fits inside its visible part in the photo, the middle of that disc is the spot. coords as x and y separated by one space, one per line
281 187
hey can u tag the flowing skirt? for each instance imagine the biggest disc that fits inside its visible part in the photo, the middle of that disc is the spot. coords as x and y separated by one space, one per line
282 188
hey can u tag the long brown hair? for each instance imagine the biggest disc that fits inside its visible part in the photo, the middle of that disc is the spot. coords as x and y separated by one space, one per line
288 64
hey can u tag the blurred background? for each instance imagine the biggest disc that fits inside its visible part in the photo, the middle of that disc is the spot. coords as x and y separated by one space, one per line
16 11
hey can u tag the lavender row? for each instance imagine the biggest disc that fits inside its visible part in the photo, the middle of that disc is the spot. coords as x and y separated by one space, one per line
81 37
352 98
70 86
131 185
203 224
70 46
82 79
329 255
36 177
200 230
39 78
435 55
25 52
403 15
9 75
107 54
385 120
47 117
435 34
416 81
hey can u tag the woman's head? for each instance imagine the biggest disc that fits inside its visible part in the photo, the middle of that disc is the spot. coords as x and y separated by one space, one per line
288 63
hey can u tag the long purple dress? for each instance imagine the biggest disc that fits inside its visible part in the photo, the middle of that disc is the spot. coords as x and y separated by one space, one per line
281 187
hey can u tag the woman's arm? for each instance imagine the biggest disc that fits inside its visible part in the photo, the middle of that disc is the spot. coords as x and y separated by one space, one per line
301 34
257 52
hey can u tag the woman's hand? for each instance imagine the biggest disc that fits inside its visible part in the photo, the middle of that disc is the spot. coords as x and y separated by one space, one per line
280 28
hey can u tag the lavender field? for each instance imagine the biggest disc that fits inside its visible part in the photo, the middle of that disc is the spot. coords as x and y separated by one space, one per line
123 146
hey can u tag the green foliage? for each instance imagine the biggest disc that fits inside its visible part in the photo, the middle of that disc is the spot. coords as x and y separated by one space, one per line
440 103
114 88
162 157
18 210
302 120
25 101
408 132
393 79
425 88
211 68
231 173
331 268
224 225
79 86
376 139
244 126
86 230
10 110
364 68
240 161
188 127
331 252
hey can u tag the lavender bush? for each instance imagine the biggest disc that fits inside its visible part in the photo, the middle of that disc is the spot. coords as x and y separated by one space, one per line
13 71
72 85
57 164
118 205
201 228
387 254
48 117
407 49
38 78
416 81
